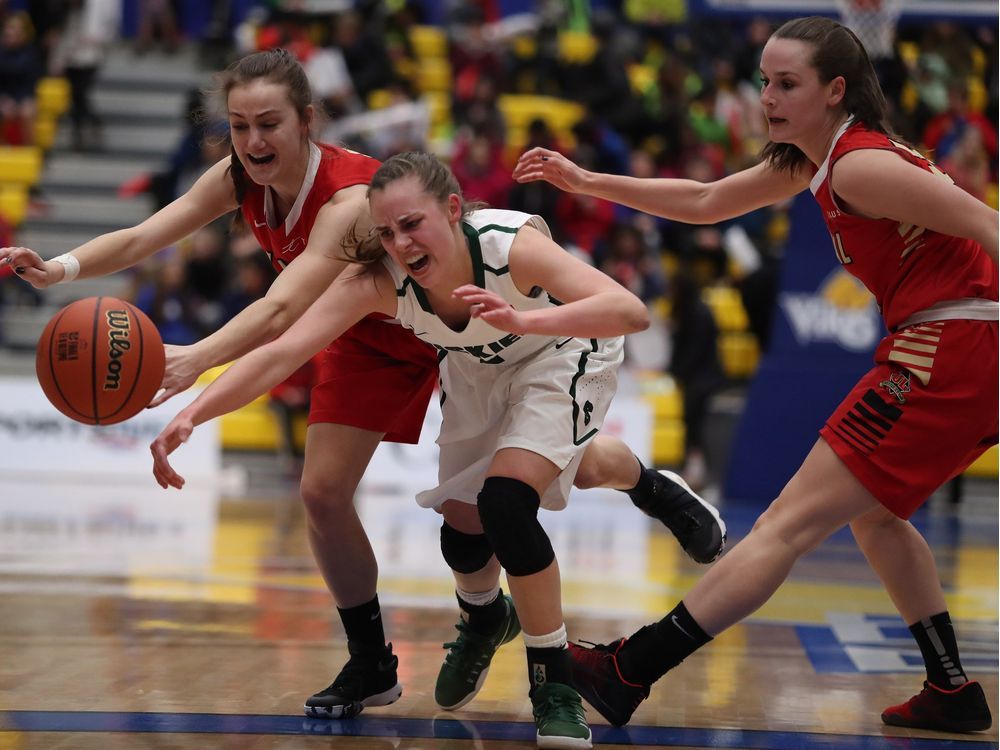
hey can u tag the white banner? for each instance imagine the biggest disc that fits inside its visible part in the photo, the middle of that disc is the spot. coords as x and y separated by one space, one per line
36 439
86 526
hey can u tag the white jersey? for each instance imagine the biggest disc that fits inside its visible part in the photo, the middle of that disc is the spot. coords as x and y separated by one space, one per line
548 395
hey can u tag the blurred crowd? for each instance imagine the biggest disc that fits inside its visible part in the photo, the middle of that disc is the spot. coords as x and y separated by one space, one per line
659 96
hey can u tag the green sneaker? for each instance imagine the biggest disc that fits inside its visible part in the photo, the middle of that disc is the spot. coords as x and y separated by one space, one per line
468 660
559 717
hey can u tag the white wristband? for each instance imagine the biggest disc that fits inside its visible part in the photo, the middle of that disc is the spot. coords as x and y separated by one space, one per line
71 266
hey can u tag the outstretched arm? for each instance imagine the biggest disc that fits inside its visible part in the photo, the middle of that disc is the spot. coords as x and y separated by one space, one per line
594 304
209 198
295 288
344 303
681 200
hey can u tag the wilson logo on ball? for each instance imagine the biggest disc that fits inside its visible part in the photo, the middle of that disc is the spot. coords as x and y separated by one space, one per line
100 360
119 328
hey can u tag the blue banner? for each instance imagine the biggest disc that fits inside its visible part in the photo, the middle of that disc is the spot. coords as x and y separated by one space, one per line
825 331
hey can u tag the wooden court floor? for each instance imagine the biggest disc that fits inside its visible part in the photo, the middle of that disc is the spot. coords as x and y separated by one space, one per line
130 618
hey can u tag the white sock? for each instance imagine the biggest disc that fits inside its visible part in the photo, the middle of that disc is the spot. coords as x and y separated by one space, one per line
555 639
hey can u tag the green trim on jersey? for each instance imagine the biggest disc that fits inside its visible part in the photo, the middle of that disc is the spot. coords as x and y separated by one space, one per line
418 292
581 369
490 228
476 253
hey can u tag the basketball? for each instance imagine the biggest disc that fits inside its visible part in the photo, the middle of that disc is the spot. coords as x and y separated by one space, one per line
100 360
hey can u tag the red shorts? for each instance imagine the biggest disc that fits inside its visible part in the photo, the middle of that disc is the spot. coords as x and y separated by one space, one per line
378 376
924 413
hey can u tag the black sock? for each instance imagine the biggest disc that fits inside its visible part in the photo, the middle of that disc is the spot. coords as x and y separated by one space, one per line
936 638
643 488
363 624
655 649
484 618
548 665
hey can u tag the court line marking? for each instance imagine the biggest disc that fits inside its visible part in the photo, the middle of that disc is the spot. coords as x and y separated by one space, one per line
450 728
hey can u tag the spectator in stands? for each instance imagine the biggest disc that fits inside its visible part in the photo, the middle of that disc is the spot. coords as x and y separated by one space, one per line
403 124
626 258
20 71
969 164
474 56
170 303
946 129
584 219
538 197
480 112
478 165
602 84
695 365
364 53
157 23
90 26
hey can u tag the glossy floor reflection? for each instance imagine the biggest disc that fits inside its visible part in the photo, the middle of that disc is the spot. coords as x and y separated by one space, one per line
134 618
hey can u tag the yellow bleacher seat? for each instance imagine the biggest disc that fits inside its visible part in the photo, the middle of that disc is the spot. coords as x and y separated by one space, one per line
727 307
13 203
666 404
434 74
439 103
520 109
641 77
576 47
45 131
52 96
986 465
379 99
668 444
740 354
252 427
524 47
20 165
428 41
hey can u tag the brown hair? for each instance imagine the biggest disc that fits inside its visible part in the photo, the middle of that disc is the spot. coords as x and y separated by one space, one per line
837 51
435 179
277 65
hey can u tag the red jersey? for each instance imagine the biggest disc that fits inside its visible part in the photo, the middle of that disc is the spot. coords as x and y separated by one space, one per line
908 268
330 169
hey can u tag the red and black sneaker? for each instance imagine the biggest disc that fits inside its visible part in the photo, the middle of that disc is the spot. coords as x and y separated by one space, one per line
963 709
597 678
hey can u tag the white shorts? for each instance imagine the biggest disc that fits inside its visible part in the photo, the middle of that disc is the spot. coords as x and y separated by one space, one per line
551 404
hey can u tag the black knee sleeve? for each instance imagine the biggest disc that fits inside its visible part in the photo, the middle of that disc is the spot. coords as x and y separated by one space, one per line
508 509
464 553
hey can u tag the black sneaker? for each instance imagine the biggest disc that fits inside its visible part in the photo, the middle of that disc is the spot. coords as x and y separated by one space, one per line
368 679
695 522
597 678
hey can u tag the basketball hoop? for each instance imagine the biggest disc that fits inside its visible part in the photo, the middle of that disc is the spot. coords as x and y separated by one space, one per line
874 22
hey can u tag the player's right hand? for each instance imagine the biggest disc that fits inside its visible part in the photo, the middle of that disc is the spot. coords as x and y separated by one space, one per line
173 435
29 266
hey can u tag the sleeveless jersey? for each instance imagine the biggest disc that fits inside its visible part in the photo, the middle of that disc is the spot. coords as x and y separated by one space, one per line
330 169
490 234
908 268
544 394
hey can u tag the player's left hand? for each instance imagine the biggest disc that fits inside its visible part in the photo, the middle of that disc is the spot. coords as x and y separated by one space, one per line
173 435
491 308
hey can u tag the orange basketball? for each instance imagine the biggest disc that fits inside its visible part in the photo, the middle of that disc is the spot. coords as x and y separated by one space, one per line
100 360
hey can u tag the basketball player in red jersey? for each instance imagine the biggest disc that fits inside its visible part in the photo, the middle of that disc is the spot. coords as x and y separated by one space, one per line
300 198
928 409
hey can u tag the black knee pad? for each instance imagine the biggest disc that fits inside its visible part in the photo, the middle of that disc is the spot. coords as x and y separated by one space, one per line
464 553
508 509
